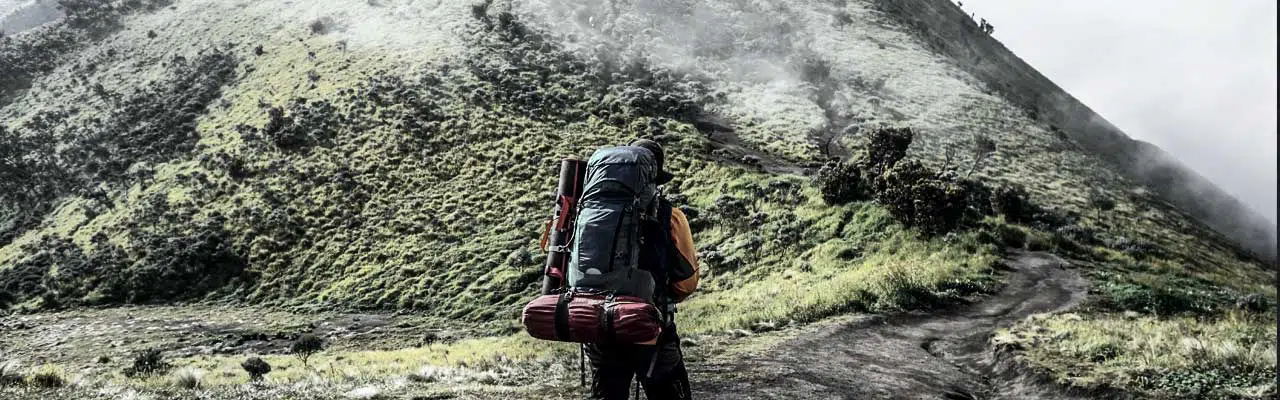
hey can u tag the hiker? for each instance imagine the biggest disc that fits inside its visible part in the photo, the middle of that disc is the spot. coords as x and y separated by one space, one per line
619 258
614 365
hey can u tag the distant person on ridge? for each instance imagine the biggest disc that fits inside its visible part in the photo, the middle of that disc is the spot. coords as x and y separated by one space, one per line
614 365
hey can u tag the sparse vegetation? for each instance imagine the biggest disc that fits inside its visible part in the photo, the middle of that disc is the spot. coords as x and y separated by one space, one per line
1232 357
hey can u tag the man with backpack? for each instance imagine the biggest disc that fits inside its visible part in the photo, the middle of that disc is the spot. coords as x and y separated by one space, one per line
619 259
668 255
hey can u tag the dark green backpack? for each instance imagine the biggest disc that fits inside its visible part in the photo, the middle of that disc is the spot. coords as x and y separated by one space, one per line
618 195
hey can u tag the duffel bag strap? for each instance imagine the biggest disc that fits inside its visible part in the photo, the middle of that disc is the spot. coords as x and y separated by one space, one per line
562 315
609 314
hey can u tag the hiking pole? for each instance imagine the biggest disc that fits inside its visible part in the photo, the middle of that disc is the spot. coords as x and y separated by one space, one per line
572 174
582 364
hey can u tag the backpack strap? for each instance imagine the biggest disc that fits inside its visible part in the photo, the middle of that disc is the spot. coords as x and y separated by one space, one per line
660 243
562 315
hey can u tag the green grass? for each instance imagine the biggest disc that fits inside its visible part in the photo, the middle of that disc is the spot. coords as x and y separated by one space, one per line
1229 357
900 273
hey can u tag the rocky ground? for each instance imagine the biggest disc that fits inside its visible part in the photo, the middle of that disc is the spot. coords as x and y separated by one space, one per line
934 355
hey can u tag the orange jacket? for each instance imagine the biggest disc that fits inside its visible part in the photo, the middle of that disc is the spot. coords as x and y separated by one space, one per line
684 275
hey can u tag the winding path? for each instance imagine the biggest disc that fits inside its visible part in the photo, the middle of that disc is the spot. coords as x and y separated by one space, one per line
914 356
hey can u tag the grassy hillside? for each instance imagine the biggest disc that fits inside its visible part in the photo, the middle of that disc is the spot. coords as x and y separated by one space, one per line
400 156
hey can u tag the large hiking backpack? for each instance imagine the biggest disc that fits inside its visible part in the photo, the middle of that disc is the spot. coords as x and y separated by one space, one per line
619 193
608 297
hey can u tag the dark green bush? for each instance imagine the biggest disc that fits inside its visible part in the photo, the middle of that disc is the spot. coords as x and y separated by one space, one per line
730 211
917 198
1209 382
1100 203
1004 236
842 183
147 363
1011 201
256 367
1254 303
884 148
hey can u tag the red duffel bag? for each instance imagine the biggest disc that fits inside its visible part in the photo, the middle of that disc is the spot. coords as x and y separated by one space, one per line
586 317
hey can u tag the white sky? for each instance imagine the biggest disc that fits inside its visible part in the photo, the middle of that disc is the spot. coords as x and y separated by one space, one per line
1195 77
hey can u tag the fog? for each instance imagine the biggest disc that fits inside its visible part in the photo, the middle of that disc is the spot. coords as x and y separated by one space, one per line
1195 77
17 16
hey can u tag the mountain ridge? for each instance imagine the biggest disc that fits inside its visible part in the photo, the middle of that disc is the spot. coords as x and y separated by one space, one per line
949 30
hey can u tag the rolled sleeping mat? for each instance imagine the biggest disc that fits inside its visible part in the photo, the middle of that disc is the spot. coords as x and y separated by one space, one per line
572 174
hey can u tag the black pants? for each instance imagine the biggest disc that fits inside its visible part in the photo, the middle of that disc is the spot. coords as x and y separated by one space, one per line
660 369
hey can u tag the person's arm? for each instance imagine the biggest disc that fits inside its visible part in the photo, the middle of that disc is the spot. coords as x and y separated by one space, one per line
684 274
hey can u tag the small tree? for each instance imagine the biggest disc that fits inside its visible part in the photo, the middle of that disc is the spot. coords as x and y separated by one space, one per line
885 147
1100 203
948 155
256 367
983 147
306 346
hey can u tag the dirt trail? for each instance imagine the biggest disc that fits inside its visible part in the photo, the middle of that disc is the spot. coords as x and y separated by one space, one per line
920 356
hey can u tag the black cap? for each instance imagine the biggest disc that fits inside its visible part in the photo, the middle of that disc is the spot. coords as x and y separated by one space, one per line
658 155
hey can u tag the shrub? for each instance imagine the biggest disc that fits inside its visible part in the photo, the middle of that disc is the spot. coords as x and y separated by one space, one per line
187 378
842 183
48 376
1010 200
148 362
885 147
306 346
917 198
256 367
730 211
1005 236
